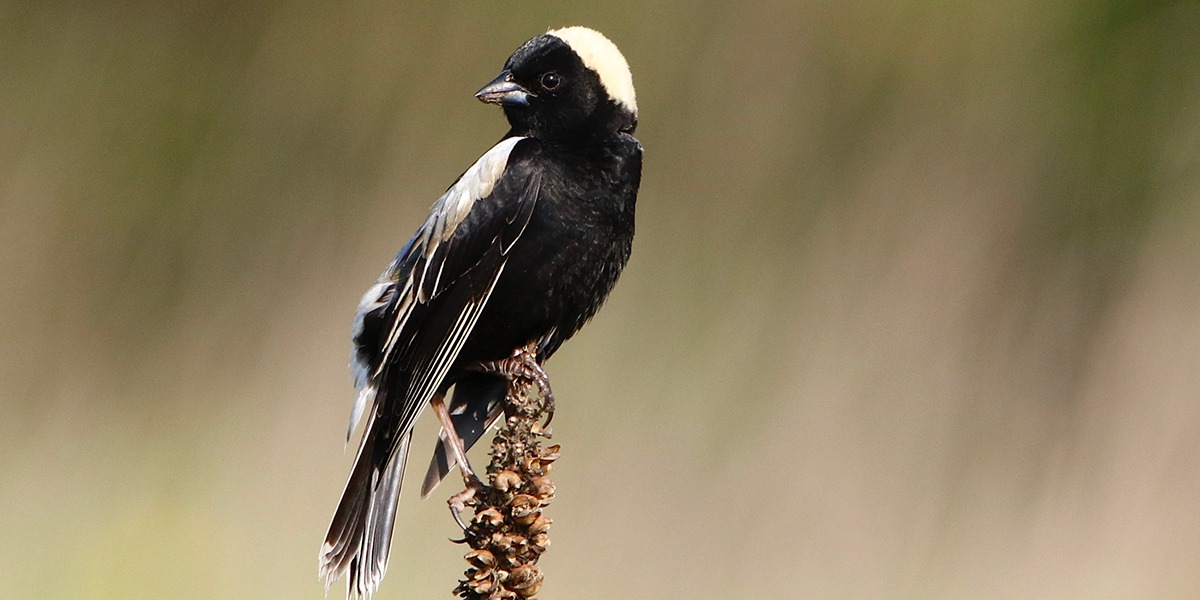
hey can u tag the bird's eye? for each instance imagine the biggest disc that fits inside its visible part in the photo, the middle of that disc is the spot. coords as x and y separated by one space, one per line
551 81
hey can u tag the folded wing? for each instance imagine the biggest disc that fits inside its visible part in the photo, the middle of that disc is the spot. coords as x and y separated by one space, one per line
410 327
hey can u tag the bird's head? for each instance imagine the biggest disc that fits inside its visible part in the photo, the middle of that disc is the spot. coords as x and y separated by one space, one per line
570 82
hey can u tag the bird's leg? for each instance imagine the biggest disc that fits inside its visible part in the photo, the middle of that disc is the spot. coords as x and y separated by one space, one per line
523 364
457 502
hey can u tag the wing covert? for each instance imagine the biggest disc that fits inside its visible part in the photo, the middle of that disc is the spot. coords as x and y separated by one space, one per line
413 322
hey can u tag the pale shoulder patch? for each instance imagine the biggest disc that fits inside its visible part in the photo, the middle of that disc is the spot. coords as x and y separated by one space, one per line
476 183
449 211
602 56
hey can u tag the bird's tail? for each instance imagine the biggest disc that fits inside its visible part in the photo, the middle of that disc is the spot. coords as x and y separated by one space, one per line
360 534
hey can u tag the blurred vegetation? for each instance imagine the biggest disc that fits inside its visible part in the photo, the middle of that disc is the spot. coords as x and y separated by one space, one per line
913 310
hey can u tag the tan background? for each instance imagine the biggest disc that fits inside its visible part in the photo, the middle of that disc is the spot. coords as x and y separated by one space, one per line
913 312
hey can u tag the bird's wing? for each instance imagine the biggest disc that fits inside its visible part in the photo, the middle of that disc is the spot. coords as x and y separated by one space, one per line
408 332
412 323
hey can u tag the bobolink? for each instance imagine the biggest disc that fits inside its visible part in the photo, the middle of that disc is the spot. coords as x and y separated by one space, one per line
513 259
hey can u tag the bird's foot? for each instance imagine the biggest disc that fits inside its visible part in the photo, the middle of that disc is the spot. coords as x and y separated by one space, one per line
459 502
523 365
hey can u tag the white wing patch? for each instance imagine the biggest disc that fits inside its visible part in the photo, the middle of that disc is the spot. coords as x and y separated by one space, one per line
449 210
602 56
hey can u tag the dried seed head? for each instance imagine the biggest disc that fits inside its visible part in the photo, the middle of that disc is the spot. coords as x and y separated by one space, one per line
508 531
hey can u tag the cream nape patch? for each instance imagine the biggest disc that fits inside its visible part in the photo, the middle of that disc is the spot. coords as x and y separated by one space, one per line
599 54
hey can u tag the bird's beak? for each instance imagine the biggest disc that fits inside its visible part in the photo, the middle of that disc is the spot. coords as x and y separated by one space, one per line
504 91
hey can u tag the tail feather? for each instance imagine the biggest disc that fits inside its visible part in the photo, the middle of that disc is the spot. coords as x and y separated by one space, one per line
478 401
360 535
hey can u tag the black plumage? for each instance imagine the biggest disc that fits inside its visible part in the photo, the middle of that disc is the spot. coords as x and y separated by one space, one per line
513 259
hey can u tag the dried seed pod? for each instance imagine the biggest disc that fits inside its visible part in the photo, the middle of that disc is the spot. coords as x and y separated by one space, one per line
507 480
482 558
533 465
510 543
490 516
482 586
524 509
551 453
540 525
525 580
543 489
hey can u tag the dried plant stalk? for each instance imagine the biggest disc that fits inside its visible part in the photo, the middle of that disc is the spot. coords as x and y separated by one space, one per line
508 532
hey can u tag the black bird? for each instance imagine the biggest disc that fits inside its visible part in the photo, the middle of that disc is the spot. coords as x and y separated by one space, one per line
513 259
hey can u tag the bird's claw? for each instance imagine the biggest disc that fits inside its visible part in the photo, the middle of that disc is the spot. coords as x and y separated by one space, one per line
458 502
548 406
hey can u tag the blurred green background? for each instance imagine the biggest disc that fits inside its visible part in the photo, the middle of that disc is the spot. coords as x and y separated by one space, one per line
913 311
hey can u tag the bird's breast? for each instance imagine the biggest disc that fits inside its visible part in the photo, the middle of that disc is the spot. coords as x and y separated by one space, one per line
569 257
